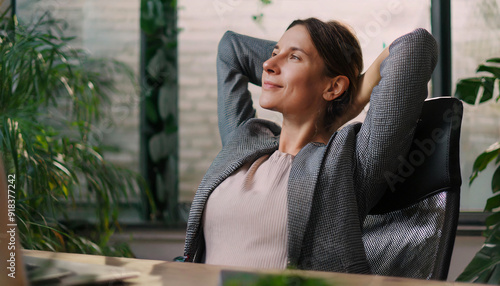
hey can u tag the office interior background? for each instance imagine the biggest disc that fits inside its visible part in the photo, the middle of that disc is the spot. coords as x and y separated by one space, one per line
111 29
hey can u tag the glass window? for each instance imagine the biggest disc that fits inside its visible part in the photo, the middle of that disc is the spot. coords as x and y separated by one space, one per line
108 30
475 33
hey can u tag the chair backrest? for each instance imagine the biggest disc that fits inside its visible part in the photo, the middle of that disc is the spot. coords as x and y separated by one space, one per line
411 231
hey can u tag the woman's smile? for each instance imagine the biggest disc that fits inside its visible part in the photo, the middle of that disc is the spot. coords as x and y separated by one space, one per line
271 85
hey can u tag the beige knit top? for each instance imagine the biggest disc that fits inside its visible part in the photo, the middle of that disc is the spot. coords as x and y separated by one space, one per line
245 219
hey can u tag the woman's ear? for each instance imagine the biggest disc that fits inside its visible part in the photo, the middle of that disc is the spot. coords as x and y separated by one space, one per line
337 86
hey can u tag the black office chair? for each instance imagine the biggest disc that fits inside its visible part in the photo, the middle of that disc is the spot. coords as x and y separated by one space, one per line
411 231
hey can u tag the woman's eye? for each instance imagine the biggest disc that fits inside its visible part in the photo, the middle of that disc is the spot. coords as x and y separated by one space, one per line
273 54
294 57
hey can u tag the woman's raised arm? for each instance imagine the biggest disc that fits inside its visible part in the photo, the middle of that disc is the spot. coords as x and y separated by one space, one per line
395 106
239 61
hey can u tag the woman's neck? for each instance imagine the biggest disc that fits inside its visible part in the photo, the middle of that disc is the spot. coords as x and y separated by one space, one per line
295 136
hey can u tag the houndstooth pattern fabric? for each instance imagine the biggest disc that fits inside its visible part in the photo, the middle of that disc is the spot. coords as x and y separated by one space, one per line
331 187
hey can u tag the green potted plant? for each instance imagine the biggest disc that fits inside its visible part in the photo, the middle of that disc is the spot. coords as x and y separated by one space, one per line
485 266
52 97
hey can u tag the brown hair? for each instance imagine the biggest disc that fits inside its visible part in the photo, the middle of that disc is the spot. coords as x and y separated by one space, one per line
340 50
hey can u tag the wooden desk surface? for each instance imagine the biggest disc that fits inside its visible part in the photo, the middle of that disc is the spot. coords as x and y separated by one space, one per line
155 272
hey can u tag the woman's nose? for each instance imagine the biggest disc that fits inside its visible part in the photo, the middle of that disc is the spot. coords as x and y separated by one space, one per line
271 65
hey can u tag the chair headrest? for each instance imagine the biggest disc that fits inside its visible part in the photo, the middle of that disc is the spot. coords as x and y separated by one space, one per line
432 164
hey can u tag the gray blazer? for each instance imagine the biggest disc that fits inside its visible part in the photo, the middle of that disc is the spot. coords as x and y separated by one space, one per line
331 187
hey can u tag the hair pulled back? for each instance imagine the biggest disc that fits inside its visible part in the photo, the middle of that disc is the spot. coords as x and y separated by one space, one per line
340 50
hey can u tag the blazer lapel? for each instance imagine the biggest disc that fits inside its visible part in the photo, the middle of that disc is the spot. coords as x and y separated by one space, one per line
301 185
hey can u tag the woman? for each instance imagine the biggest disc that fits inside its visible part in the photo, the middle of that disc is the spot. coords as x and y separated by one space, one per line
296 196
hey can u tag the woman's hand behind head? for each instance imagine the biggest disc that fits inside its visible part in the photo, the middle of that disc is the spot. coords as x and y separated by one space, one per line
361 97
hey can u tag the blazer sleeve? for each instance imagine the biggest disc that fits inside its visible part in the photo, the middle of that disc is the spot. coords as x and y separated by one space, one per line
395 106
239 61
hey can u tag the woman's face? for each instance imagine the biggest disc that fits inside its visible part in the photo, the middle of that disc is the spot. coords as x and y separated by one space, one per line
293 79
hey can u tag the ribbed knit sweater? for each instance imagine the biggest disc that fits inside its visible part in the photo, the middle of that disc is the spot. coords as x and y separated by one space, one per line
245 219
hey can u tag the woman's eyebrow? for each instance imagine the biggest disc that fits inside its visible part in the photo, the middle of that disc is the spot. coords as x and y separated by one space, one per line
276 47
298 49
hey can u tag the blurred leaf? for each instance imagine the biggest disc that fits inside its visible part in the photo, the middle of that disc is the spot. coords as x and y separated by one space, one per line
484 159
481 265
493 70
492 203
258 18
152 16
494 275
493 219
495 181
493 235
467 90
488 84
151 112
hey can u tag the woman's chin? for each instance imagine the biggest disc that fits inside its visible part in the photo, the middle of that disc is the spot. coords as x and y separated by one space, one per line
267 105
